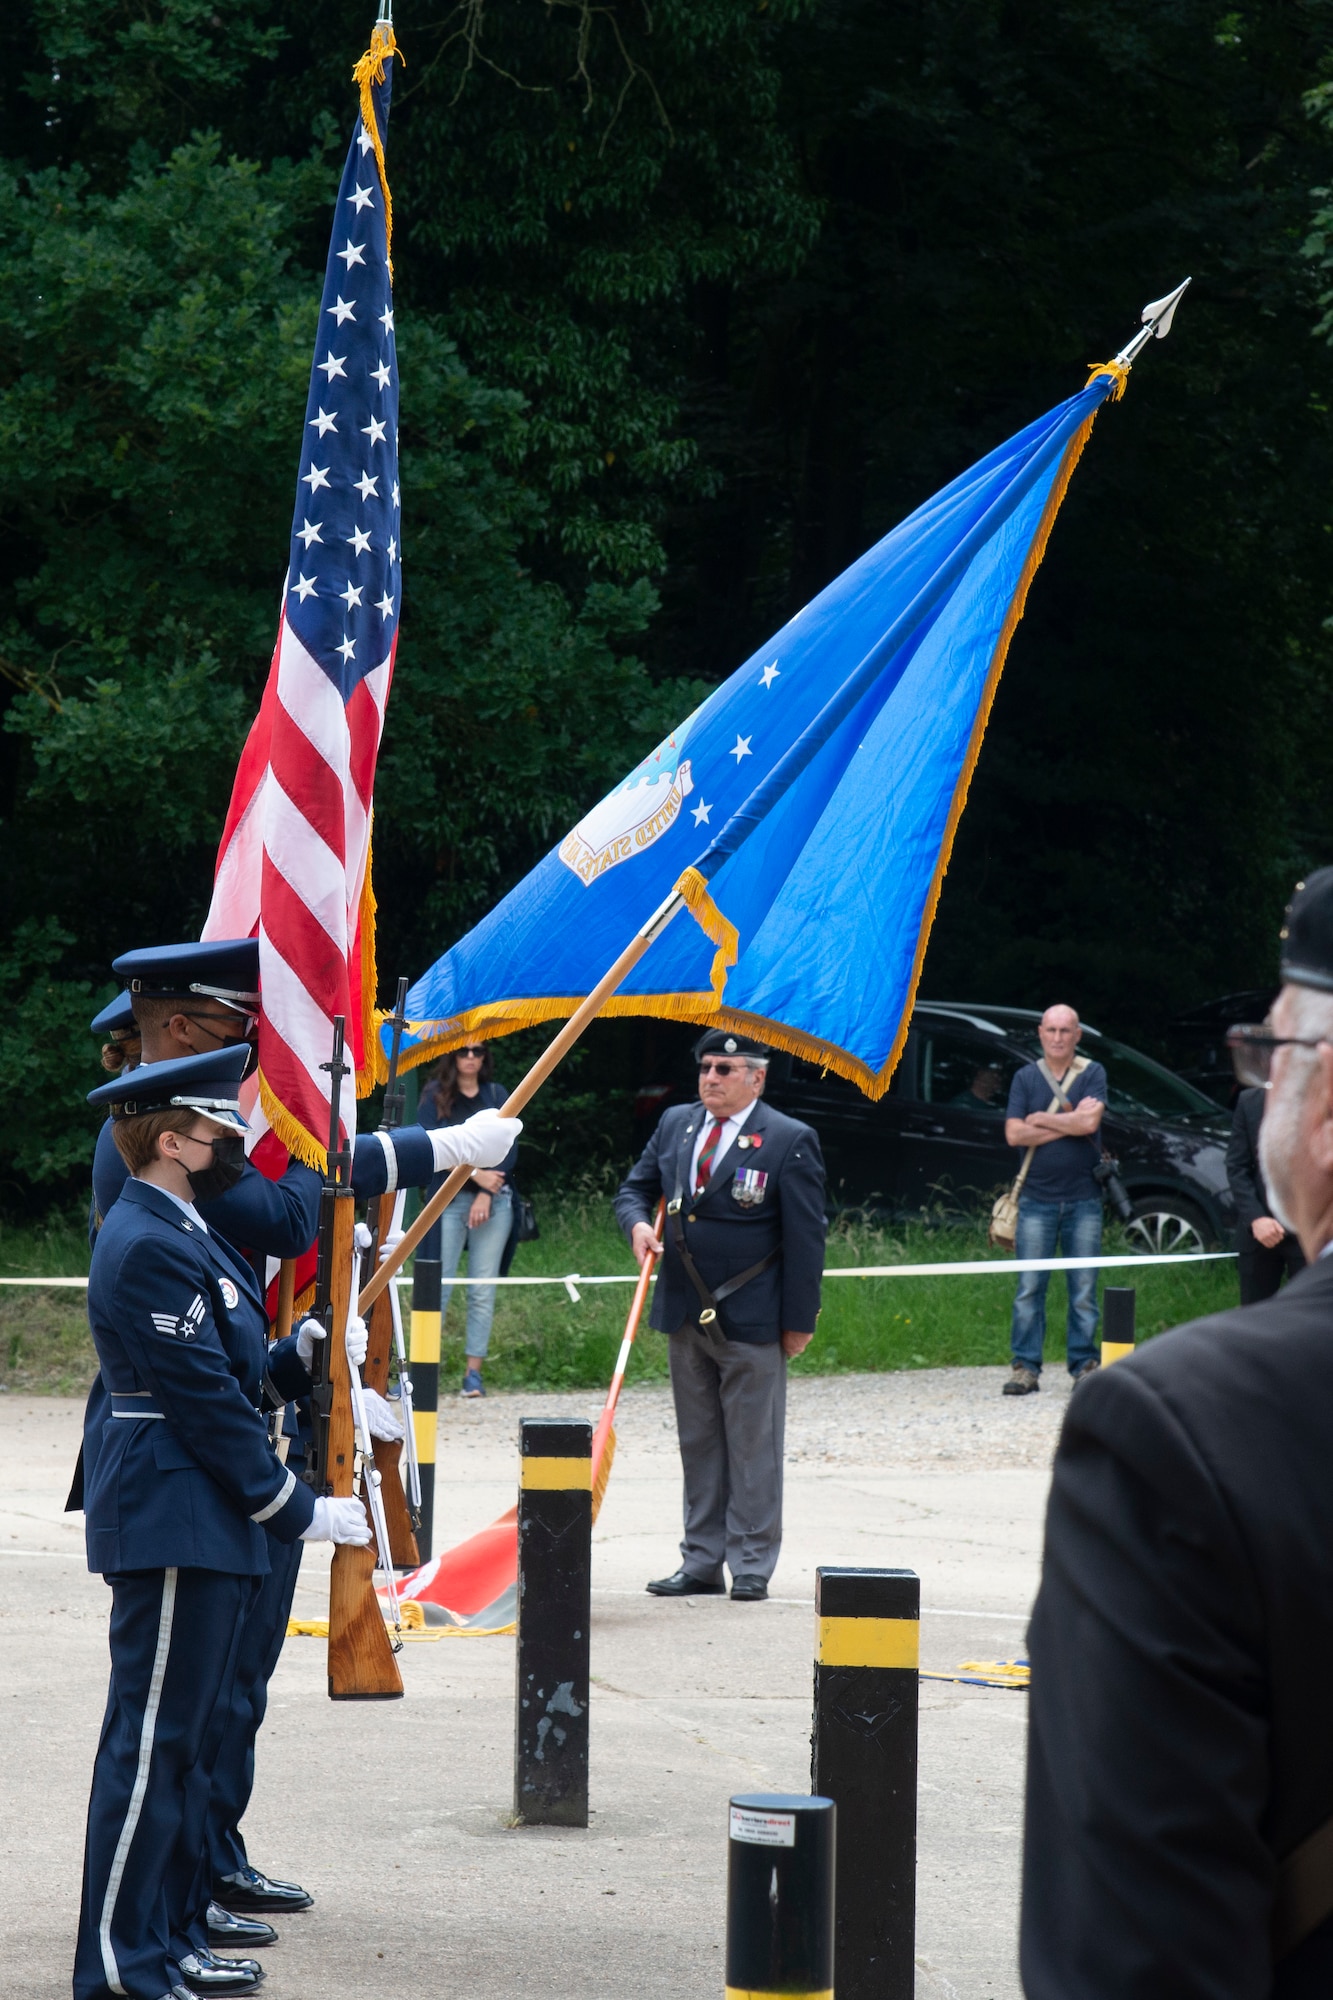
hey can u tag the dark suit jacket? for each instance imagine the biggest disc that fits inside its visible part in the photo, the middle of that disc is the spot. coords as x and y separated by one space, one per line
181 1331
724 1237
1181 1735
1244 1177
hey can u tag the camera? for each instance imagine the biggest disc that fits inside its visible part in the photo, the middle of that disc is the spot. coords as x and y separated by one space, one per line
1106 1173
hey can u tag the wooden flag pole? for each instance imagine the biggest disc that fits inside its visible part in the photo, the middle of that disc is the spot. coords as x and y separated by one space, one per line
555 1051
604 1437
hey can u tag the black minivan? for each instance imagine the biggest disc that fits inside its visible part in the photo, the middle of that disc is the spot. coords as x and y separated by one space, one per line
935 1141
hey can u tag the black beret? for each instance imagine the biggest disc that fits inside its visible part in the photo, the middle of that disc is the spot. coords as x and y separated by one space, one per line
1307 933
728 1042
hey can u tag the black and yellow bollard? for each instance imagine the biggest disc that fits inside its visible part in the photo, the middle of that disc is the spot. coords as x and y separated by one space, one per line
864 1758
423 1359
1117 1323
554 1596
780 1897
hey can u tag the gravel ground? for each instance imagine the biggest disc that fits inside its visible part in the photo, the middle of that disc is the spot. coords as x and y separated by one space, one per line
921 1419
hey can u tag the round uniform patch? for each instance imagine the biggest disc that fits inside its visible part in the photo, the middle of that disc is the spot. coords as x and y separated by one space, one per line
231 1298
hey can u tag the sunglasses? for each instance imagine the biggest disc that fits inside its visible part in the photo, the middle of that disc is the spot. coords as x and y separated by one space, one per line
1252 1050
718 1068
473 1052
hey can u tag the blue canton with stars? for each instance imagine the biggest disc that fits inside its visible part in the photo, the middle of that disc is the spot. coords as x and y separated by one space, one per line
343 582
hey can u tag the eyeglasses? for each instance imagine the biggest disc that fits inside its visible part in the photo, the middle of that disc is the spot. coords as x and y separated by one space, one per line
1252 1051
473 1052
718 1068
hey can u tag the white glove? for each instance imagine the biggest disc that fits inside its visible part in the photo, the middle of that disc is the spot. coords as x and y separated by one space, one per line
358 1340
342 1521
307 1333
383 1419
483 1140
311 1330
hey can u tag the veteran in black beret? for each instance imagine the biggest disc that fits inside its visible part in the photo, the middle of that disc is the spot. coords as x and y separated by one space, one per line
1179 1830
738 1293
185 1495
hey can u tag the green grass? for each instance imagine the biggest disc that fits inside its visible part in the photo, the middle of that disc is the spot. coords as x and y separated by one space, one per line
541 1339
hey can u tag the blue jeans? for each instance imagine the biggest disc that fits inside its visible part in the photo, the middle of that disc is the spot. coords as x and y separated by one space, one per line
1077 1227
485 1249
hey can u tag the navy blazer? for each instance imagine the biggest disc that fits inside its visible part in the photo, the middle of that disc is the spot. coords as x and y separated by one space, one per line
181 1472
725 1236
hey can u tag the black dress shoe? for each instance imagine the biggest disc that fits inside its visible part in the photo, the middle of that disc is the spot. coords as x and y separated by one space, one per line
749 1589
247 1889
238 1933
208 1974
682 1584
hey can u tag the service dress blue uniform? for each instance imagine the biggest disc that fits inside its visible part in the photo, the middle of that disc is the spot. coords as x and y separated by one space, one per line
184 1496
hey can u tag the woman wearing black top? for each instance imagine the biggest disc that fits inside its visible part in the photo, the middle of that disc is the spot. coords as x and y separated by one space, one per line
479 1216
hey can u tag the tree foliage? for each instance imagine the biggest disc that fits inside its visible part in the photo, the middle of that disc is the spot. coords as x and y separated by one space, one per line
694 301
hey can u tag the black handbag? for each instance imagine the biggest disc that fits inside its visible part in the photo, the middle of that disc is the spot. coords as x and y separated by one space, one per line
522 1227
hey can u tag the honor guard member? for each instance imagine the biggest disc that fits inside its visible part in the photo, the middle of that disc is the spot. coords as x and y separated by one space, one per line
738 1292
189 998
122 1045
185 1495
1179 1831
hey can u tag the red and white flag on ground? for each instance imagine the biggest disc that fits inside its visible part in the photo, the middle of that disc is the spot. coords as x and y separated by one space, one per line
294 863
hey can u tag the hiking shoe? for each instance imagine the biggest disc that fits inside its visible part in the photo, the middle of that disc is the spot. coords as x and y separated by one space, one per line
1022 1382
1089 1367
472 1384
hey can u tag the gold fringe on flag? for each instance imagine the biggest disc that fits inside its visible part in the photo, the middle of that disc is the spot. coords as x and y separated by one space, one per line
719 929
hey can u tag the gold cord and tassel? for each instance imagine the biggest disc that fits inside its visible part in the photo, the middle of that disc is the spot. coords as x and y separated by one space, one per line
369 71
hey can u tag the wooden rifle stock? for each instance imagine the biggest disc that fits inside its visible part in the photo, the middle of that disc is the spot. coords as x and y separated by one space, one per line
361 1662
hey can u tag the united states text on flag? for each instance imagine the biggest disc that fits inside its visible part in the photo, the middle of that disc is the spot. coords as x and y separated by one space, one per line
294 861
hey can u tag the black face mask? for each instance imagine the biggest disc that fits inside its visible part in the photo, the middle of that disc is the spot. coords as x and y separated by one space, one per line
227 1168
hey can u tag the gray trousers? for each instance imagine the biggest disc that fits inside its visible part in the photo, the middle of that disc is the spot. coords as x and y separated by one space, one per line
731 1411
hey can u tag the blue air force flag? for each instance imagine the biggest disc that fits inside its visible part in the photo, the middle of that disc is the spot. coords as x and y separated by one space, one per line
806 810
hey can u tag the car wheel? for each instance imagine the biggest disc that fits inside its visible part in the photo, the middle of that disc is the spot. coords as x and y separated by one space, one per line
1162 1225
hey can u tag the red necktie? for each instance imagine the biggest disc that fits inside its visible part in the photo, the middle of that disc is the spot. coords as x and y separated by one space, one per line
703 1172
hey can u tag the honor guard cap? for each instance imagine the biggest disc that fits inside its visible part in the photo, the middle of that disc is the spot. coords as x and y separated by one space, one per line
209 1084
222 969
116 1018
728 1042
1307 933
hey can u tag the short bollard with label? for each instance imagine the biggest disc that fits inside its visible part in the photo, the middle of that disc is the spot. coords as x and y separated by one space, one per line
1117 1323
780 1893
864 1757
423 1356
554 1595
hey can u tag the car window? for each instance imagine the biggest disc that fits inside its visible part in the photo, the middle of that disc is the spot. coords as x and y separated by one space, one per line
1137 1087
966 1072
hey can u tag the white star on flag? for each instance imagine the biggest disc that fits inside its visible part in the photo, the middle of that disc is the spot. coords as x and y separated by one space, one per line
769 675
333 366
347 649
352 595
358 541
367 487
701 812
382 375
742 749
342 309
384 606
323 422
353 254
317 476
308 532
374 430
361 198
305 587
386 319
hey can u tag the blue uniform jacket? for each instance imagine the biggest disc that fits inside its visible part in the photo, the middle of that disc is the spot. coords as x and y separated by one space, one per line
725 1235
279 1218
182 1472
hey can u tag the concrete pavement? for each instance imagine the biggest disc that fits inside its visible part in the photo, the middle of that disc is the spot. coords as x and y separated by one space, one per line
395 1814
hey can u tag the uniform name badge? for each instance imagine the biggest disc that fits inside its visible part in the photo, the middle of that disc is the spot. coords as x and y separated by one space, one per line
750 1187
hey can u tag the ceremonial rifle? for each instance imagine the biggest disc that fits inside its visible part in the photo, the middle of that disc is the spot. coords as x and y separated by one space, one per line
361 1661
384 1328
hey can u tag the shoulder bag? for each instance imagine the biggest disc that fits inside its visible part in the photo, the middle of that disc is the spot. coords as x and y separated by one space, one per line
1003 1233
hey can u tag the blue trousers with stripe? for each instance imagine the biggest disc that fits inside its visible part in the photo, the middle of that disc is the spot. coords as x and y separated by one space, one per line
175 1634
234 1768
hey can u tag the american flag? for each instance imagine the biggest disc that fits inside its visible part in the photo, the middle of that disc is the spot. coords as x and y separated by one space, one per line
294 862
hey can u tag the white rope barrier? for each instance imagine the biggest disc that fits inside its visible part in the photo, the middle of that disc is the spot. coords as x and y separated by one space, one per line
963 1268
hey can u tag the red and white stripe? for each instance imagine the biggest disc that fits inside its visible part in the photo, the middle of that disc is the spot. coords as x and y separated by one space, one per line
292 868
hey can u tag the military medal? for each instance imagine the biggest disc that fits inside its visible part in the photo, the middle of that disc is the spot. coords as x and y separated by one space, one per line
749 1187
